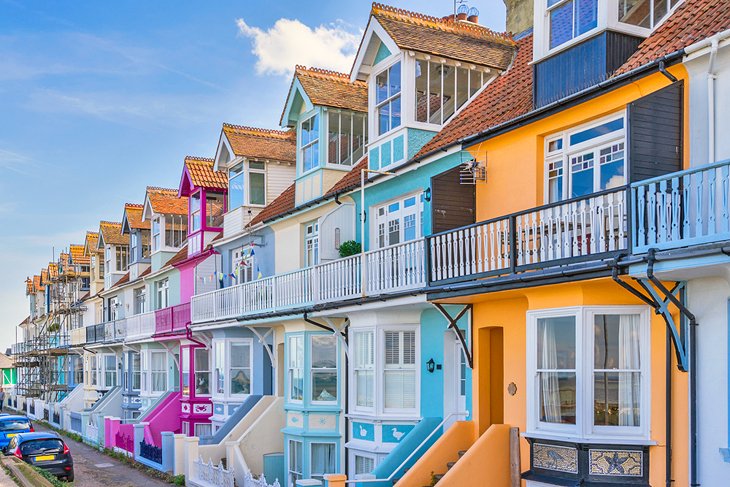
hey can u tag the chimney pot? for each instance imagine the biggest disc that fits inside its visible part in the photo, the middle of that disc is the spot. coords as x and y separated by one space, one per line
473 19
461 16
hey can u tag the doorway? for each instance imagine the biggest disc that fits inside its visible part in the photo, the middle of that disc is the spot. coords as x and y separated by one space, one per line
455 380
490 363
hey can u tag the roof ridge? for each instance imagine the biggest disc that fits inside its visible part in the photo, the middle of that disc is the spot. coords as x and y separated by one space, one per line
109 222
198 158
440 23
258 131
299 68
133 205
158 188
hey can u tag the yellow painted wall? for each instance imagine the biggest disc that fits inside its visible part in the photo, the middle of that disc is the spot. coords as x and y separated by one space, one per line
515 160
508 310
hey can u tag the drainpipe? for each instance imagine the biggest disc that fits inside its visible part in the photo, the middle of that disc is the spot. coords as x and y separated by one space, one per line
668 410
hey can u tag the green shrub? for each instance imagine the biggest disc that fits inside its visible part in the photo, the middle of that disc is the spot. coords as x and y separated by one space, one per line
178 480
350 248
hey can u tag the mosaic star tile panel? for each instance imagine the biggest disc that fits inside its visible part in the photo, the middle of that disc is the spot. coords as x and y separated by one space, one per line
626 463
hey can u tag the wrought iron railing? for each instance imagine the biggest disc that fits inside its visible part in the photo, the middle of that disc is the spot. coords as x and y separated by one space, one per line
150 452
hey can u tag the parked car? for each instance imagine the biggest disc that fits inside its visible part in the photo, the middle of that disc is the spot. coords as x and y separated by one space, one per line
12 425
43 450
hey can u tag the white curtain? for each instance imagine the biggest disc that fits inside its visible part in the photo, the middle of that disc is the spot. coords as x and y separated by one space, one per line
323 458
549 384
629 385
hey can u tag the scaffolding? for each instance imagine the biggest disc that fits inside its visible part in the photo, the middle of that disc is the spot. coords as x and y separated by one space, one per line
43 357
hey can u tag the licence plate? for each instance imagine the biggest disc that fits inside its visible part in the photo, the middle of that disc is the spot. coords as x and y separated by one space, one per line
10 435
43 458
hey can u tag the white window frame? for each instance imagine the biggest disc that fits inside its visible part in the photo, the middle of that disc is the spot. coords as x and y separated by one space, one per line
158 235
239 166
203 429
312 370
104 371
353 463
600 14
315 141
245 264
219 363
256 170
584 429
206 370
134 242
292 365
162 289
369 364
293 475
229 365
402 212
140 299
351 153
153 372
311 239
567 151
136 372
389 99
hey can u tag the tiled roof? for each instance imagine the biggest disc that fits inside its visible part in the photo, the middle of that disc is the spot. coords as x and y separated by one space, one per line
332 89
29 286
507 97
111 233
92 240
134 217
52 270
77 254
202 174
283 203
44 276
181 255
443 37
36 283
165 201
350 180
145 272
262 144
122 280
692 21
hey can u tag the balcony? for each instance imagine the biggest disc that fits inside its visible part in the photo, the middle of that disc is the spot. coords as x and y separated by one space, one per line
78 336
390 270
115 331
172 320
141 326
682 209
583 229
96 333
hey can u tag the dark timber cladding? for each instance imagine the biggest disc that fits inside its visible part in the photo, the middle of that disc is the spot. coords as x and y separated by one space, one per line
580 66
655 133
453 204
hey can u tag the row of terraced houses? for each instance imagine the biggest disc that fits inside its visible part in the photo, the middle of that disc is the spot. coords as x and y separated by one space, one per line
476 259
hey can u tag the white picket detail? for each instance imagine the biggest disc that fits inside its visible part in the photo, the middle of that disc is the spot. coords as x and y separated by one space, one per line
396 268
682 208
250 481
208 474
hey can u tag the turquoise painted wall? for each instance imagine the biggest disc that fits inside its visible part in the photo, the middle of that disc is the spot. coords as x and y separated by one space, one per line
409 182
382 53
433 329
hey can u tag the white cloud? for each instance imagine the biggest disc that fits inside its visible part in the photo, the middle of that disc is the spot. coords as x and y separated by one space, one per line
14 161
290 42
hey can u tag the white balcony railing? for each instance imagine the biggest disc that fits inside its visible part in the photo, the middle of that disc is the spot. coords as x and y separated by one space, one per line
141 326
392 269
78 336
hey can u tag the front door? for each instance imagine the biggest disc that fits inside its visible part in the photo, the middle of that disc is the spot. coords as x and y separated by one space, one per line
455 381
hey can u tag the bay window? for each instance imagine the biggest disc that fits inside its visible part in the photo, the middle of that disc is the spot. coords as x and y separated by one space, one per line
323 459
195 212
591 372
214 208
108 257
324 368
399 221
387 99
346 137
110 371
442 88
176 229
163 293
140 296
122 256
202 372
134 244
243 265
94 370
156 235
309 143
296 462
158 362
136 369
240 370
235 186
220 367
295 368
144 364
256 183
568 19
586 160
364 368
644 13
185 371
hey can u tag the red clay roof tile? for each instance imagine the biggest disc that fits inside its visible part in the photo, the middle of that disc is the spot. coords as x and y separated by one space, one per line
281 204
261 144
203 175
166 202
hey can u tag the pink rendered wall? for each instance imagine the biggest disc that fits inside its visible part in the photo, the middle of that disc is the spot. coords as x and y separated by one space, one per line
187 283
165 418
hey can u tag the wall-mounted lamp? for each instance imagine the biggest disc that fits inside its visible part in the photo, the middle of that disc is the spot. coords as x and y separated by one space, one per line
430 365
427 194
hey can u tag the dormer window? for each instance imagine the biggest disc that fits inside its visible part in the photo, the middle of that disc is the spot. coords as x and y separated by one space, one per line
214 209
256 183
133 244
347 135
644 13
156 234
309 143
237 185
387 98
442 88
195 212
122 258
570 19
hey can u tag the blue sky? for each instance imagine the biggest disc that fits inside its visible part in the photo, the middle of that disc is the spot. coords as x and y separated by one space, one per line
100 99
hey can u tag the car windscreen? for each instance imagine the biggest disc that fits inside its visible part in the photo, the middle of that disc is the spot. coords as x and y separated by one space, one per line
19 424
38 447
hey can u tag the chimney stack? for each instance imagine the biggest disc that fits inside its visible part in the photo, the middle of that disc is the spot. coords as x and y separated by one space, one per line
519 15
473 15
461 13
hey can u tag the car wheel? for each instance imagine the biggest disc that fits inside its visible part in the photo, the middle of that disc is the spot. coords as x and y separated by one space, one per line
70 478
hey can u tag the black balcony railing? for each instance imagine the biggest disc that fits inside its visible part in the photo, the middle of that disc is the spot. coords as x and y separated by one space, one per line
150 452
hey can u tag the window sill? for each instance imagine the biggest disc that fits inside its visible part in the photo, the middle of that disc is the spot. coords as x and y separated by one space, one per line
606 440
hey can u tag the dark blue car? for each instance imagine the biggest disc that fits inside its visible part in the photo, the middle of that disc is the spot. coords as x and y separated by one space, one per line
12 425
43 450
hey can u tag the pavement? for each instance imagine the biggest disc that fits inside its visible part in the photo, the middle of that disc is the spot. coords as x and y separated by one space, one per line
93 468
